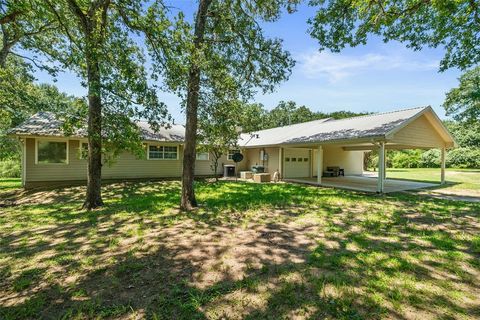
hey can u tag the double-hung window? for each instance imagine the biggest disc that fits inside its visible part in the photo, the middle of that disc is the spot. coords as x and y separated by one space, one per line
163 152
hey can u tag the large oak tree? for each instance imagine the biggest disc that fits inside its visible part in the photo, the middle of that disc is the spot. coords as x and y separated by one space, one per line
95 40
224 44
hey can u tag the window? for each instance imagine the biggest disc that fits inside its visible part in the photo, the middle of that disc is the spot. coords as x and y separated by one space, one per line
305 159
83 151
162 152
294 159
231 153
52 152
202 156
287 159
300 159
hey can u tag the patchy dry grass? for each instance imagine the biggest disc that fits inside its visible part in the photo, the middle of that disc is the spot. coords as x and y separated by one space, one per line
252 251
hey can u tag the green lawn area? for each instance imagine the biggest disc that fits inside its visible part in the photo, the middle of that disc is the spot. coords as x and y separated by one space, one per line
252 251
457 179
7 184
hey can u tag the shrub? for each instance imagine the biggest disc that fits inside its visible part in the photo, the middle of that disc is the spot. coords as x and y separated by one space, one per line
406 159
10 169
431 159
370 160
463 158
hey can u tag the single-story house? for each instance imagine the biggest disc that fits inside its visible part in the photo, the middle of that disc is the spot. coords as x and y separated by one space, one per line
298 152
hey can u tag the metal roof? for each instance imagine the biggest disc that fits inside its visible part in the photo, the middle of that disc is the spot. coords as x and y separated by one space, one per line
377 125
368 126
47 124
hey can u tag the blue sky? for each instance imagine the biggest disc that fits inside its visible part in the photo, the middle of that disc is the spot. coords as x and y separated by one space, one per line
375 77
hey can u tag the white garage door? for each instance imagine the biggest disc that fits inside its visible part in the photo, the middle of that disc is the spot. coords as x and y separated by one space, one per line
297 163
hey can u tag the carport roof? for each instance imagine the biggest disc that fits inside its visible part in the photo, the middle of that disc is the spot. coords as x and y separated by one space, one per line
375 126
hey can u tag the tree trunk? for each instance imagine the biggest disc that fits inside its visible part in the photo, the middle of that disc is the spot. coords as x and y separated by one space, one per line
94 181
4 51
188 201
216 157
3 58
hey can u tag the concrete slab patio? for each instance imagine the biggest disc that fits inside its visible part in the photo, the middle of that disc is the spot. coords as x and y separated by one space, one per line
365 183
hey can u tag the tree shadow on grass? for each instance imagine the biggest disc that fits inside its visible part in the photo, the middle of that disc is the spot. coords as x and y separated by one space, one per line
139 257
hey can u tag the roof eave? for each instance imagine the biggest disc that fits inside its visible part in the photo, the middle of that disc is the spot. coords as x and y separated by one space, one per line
373 138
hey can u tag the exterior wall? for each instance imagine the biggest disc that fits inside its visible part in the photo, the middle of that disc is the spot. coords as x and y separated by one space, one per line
75 169
351 161
419 133
253 158
126 166
335 156
203 167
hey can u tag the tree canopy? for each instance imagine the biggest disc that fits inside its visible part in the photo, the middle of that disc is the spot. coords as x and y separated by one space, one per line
21 96
463 102
25 26
452 25
257 117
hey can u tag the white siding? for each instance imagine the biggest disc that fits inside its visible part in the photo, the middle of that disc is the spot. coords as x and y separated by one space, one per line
335 156
420 133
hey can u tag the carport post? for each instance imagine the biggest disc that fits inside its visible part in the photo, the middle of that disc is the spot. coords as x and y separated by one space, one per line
442 166
319 164
381 167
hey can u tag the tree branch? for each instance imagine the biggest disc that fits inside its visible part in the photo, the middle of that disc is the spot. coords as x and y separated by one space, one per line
79 13
10 17
60 21
29 59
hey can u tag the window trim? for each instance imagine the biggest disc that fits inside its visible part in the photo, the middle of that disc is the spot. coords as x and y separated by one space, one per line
161 145
38 140
208 156
229 156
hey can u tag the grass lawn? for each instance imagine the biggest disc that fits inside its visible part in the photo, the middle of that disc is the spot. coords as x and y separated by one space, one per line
7 184
457 179
252 251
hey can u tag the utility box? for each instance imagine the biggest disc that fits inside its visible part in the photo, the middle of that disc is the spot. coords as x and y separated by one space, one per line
246 174
261 177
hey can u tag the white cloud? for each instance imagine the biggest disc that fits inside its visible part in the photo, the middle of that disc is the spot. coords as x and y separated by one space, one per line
336 67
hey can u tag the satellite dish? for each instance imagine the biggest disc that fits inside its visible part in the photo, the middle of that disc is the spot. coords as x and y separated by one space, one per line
237 157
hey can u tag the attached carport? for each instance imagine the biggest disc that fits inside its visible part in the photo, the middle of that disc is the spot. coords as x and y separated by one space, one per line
330 142
424 130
